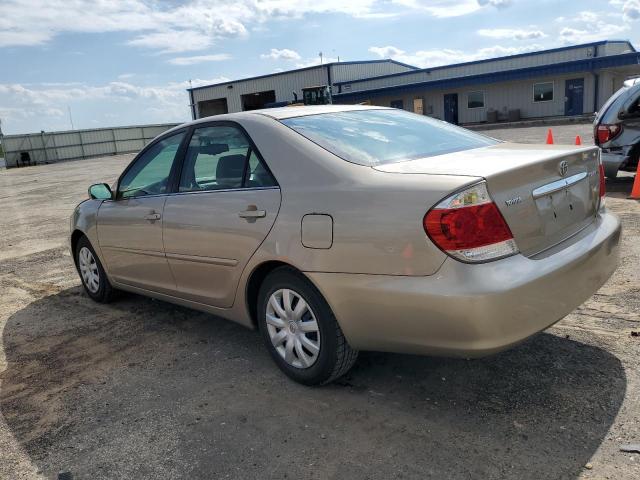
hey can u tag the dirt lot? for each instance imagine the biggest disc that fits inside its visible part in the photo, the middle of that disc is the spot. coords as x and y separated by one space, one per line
145 389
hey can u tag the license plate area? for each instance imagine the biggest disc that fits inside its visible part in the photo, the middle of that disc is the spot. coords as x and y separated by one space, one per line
564 204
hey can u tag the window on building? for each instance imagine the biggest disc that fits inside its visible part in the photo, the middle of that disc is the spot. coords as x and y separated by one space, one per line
397 104
543 92
475 99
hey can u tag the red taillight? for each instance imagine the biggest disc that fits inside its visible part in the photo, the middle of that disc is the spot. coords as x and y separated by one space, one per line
605 133
602 182
468 226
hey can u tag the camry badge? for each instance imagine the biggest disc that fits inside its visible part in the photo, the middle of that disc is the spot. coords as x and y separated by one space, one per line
563 168
513 201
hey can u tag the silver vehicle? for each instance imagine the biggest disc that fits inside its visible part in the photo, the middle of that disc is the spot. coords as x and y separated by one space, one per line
334 229
616 129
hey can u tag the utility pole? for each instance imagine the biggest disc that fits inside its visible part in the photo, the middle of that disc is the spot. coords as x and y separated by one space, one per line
70 117
1 141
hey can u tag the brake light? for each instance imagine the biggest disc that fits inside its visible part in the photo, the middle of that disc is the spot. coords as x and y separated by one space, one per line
605 133
468 226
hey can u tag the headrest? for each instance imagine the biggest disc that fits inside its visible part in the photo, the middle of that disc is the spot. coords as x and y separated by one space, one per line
230 169
213 149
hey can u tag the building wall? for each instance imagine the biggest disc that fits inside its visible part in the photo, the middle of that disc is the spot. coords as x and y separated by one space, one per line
502 97
477 68
342 72
284 84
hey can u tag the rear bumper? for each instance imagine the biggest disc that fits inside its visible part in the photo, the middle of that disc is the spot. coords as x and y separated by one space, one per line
612 162
472 310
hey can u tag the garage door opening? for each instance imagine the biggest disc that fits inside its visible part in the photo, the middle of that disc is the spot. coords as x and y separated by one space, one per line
254 101
213 107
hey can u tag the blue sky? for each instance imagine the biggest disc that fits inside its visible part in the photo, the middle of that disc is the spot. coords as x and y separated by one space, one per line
124 62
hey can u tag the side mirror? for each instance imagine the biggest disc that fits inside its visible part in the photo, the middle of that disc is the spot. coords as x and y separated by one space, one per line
100 191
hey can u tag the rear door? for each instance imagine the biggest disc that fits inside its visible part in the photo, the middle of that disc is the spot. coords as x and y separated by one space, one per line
227 201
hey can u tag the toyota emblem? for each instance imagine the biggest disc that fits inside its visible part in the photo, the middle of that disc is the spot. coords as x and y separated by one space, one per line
563 168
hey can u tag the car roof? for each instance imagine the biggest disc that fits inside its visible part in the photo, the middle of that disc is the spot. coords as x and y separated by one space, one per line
278 113
292 111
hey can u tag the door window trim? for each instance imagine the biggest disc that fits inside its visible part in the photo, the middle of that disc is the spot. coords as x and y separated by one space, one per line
175 186
176 161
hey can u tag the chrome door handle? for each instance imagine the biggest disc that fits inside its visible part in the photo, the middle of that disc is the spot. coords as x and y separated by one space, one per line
253 213
152 217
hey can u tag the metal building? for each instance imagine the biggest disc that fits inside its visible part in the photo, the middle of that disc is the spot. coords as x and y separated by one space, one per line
569 81
272 89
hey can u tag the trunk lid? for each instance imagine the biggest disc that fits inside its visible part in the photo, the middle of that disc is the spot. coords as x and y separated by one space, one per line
546 193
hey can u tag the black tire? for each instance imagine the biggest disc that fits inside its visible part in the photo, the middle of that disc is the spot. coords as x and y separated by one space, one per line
105 292
335 357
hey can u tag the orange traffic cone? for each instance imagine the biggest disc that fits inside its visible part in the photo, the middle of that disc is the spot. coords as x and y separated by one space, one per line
549 137
635 191
578 140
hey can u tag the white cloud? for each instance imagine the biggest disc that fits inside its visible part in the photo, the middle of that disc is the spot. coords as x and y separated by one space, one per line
216 57
450 8
631 10
284 54
592 32
310 62
442 8
35 107
438 57
172 41
495 3
511 33
194 24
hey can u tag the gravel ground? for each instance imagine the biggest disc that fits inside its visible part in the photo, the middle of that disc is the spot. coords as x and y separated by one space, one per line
144 389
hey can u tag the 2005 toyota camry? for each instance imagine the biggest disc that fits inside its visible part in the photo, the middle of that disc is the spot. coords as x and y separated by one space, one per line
335 229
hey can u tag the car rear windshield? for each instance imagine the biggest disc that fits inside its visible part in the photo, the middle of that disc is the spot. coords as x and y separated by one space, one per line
608 103
377 137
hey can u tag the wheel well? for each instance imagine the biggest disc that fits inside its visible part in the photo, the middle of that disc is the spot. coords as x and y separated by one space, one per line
254 283
75 238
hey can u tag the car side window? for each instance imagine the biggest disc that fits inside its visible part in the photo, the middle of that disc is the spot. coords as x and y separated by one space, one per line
257 174
149 175
634 109
216 159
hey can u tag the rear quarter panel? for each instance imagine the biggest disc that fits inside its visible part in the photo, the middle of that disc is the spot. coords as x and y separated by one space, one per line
377 216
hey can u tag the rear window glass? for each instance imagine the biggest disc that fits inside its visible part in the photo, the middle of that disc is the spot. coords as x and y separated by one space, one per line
377 137
608 103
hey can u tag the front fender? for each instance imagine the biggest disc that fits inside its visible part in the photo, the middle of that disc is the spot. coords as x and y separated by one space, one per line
85 219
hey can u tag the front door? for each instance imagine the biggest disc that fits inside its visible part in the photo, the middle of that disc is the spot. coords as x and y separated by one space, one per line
574 96
451 108
226 204
130 227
